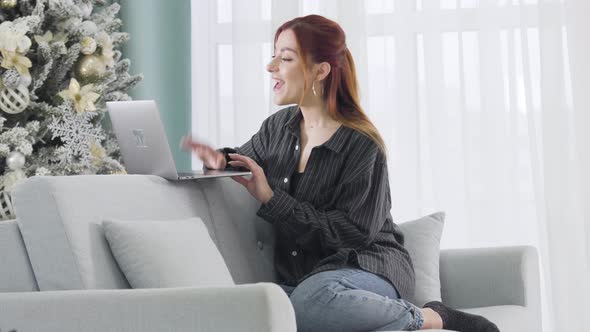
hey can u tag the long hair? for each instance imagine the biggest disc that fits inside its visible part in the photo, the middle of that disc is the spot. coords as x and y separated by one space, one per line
323 40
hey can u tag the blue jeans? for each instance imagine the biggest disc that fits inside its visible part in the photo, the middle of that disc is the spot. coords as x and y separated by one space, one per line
351 300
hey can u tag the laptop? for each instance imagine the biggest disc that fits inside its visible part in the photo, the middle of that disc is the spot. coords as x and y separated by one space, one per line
143 143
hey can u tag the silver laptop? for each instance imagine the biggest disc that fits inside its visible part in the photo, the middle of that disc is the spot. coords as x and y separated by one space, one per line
144 146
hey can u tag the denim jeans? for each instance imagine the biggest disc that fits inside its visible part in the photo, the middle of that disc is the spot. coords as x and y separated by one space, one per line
351 300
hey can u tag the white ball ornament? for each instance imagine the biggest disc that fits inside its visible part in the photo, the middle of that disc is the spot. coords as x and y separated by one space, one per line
88 28
14 101
15 160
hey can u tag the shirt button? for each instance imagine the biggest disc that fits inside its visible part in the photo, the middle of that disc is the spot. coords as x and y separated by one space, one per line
296 147
294 253
286 180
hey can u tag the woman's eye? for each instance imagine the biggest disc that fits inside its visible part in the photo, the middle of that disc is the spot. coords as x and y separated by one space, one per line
282 59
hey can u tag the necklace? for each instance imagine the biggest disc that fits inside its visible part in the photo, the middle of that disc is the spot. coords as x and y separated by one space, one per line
314 127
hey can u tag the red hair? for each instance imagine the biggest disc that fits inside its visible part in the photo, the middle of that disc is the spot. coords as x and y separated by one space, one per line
323 40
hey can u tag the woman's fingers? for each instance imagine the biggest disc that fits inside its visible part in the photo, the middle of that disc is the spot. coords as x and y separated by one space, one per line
247 161
202 150
201 153
200 146
187 142
241 180
257 185
236 163
211 158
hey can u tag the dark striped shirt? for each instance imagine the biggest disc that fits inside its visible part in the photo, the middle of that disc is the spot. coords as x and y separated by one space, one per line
339 213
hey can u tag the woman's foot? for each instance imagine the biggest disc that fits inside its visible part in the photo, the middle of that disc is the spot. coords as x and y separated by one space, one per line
432 320
461 321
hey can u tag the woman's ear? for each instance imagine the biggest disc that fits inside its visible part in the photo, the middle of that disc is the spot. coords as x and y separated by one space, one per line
323 69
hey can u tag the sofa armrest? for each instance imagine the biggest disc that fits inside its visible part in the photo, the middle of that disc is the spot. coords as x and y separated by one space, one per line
253 307
483 277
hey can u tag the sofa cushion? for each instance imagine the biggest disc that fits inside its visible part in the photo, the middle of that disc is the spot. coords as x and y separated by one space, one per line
61 222
163 254
422 240
504 317
16 274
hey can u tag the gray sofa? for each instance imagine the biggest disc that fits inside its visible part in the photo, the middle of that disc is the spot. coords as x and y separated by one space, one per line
58 274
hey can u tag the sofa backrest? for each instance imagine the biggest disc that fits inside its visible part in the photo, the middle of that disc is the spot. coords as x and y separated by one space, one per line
16 274
60 220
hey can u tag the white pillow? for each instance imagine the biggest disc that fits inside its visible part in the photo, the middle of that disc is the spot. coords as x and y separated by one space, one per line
422 240
162 254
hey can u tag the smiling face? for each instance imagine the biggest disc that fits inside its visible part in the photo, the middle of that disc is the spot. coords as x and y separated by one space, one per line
286 69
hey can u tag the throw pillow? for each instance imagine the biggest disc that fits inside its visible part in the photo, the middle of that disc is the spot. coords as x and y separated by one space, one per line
422 240
161 254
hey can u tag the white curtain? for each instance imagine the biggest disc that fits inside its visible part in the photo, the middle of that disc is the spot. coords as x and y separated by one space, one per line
483 105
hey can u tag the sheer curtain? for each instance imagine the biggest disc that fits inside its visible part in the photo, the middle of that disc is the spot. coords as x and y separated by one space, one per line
483 106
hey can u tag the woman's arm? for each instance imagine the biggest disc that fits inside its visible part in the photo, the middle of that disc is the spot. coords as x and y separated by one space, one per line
360 211
254 148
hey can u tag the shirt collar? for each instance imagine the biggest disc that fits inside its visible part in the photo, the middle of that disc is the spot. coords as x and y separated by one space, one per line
292 124
335 143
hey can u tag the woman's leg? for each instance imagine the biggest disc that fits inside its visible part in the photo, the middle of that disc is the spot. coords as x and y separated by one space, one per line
351 300
460 321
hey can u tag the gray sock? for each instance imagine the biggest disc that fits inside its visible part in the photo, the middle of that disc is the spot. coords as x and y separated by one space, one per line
461 321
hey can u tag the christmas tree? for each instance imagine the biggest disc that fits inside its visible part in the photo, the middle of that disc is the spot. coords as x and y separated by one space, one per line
60 64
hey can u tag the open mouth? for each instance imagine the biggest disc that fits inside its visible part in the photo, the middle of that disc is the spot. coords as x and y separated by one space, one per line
278 85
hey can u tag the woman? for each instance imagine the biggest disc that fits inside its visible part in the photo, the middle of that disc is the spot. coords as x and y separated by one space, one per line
319 169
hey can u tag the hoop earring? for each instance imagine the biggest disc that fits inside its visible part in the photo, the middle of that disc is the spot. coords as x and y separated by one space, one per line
313 89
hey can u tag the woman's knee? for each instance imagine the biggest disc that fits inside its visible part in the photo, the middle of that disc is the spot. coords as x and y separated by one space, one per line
306 299
314 307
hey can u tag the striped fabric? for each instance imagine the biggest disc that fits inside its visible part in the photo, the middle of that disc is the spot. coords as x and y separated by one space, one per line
339 213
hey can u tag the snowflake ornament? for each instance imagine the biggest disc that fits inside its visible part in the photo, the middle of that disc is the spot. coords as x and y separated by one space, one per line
77 133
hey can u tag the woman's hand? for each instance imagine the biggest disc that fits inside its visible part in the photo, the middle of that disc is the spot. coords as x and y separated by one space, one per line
212 159
257 185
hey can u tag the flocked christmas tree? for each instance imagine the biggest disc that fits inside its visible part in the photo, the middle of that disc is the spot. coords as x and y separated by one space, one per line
60 64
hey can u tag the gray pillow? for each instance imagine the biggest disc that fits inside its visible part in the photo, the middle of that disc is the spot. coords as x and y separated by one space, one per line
422 240
161 254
